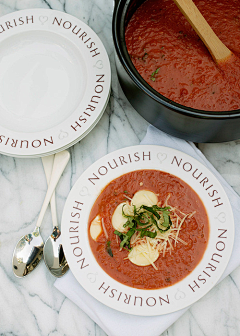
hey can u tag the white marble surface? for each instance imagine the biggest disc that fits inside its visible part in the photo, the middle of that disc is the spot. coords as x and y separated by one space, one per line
32 306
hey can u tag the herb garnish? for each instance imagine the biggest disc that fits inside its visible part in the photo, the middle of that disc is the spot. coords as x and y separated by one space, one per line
145 56
152 77
108 248
143 219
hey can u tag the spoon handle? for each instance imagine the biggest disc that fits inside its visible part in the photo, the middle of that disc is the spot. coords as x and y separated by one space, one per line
48 166
60 161
217 49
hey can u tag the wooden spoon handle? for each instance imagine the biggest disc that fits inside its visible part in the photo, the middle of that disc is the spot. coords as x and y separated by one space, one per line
215 46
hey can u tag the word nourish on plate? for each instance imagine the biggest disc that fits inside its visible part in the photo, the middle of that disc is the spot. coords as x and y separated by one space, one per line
68 25
198 175
134 300
188 167
25 143
74 234
117 162
98 90
65 24
15 23
214 262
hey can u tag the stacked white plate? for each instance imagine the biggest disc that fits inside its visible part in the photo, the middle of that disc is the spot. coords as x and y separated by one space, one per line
55 82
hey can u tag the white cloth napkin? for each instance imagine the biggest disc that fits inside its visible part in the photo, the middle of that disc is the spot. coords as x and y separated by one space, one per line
115 323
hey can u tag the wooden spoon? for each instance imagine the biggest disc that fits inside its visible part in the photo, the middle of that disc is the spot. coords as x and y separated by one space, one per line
217 49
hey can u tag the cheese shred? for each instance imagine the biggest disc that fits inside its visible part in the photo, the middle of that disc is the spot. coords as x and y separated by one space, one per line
104 229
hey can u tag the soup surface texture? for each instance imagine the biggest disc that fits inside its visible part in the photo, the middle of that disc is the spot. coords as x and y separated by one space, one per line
172 59
177 262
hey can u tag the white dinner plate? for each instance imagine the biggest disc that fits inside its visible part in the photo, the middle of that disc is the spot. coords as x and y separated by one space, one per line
138 301
54 81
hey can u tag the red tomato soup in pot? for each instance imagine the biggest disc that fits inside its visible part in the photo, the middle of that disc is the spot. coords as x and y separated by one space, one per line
148 229
172 59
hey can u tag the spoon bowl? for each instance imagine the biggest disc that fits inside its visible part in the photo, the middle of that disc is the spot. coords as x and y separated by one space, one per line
53 254
28 253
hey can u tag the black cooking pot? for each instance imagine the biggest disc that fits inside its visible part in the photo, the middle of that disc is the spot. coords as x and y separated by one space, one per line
172 118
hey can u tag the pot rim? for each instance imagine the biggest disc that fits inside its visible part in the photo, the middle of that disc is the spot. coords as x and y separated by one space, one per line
120 48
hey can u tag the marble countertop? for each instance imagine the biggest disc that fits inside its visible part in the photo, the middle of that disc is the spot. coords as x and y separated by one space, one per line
33 306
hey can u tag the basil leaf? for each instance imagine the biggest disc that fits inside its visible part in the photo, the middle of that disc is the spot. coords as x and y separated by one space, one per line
124 215
166 220
154 73
150 234
119 234
151 209
135 210
108 248
147 233
109 251
157 208
155 222
127 237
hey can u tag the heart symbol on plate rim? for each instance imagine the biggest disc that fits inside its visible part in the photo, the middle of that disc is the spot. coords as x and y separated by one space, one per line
84 192
161 157
62 134
221 217
92 277
43 19
99 64
180 295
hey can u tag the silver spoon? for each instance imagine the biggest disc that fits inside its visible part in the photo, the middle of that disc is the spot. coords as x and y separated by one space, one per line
53 250
29 250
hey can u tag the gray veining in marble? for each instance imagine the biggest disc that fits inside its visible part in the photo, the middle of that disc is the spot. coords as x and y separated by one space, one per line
32 306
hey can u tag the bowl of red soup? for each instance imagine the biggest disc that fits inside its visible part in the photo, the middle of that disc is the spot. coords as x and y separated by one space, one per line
167 73
147 230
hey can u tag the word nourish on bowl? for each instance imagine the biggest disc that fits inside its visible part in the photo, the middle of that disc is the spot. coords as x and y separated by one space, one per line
147 230
176 161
